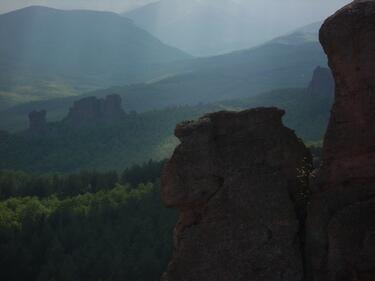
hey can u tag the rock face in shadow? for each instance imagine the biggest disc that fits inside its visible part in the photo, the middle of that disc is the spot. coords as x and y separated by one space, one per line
92 111
240 183
38 122
240 180
322 83
348 38
341 220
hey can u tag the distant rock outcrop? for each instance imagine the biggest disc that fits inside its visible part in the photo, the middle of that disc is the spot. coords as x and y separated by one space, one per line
322 83
341 220
38 122
93 111
240 182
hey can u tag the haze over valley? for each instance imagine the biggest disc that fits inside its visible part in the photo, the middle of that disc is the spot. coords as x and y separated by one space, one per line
187 140
48 53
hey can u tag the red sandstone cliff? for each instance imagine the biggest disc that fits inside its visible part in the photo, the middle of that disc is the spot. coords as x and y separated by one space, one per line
341 221
348 37
239 181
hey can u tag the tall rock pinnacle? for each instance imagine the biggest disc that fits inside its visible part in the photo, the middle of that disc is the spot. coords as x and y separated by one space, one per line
341 221
239 181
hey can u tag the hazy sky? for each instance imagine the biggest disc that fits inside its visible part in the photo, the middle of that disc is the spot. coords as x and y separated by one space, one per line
122 5
108 5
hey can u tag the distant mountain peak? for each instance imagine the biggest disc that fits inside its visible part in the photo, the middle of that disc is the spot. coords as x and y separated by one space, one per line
214 27
37 9
308 33
50 53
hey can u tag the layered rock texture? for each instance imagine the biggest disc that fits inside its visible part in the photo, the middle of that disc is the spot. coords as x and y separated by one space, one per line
92 111
240 182
341 220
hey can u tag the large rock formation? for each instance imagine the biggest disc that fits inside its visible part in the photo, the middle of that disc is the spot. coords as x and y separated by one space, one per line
92 111
240 183
322 83
348 38
341 221
239 180
38 122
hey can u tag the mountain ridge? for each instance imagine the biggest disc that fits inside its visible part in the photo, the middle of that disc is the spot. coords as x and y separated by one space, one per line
206 28
48 52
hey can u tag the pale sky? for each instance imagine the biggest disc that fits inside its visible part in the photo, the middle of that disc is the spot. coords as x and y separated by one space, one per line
122 5
105 5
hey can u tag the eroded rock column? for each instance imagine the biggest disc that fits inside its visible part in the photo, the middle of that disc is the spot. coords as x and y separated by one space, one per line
240 183
341 221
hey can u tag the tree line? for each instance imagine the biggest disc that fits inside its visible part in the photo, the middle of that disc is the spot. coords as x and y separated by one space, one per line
105 230
21 184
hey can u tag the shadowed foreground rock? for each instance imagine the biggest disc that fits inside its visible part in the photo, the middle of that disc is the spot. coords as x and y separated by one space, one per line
341 221
239 181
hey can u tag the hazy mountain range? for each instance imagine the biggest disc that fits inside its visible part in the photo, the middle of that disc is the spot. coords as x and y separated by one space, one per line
51 58
211 27
284 62
46 53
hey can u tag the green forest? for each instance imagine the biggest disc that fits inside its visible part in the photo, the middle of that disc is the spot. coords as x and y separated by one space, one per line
149 135
133 140
85 226
75 204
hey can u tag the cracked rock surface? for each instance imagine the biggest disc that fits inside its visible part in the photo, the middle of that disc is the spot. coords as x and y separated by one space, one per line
239 180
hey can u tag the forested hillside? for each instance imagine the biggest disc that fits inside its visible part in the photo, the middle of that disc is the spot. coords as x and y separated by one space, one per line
135 139
139 137
87 226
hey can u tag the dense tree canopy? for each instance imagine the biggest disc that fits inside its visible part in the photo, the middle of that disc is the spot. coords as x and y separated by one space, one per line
105 229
